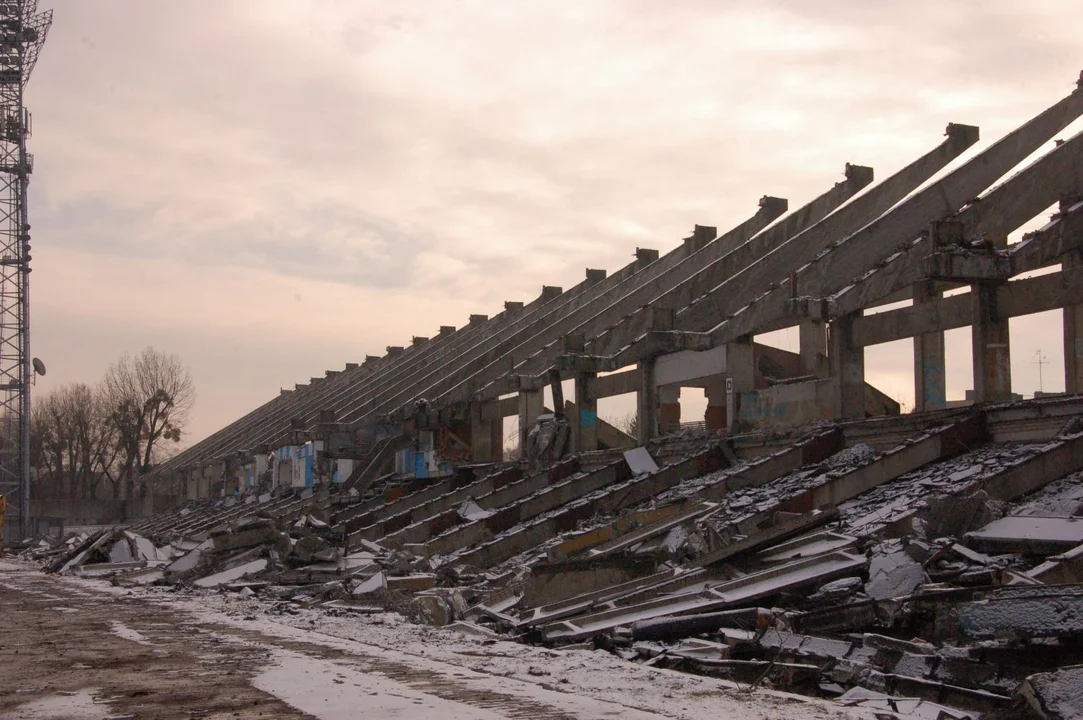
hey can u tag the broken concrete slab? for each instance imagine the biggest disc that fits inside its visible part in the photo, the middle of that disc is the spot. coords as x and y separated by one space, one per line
670 627
806 546
1055 695
1021 611
711 596
1029 534
241 571
907 707
640 461
893 576
411 583
1061 569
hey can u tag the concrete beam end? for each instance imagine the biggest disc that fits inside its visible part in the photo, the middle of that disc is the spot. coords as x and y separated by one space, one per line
645 256
551 292
965 135
595 275
773 205
859 173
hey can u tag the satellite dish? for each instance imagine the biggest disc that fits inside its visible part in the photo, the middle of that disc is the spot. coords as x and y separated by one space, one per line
39 366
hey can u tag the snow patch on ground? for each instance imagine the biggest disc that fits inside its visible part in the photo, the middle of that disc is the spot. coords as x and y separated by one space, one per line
330 691
65 706
121 630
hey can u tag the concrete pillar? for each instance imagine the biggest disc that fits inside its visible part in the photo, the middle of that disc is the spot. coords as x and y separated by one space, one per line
847 369
1073 334
530 407
715 416
586 422
647 403
741 366
486 436
669 408
813 341
930 389
991 347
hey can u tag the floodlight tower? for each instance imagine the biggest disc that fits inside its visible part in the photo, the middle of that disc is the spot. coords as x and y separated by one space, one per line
22 33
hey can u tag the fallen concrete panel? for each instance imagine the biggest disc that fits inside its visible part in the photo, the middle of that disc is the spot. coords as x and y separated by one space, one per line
639 535
1066 568
1028 534
907 707
670 627
779 530
232 575
1024 612
714 596
1056 695
640 461
818 543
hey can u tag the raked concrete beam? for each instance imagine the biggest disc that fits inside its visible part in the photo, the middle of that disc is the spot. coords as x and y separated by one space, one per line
862 251
536 354
1000 212
498 359
391 389
718 269
722 288
646 294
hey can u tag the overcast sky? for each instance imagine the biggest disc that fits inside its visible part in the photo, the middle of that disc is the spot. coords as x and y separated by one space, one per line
272 188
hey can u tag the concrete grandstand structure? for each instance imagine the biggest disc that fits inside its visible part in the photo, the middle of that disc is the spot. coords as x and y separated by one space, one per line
688 318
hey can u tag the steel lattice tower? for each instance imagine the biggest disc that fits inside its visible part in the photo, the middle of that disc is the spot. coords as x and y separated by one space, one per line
22 34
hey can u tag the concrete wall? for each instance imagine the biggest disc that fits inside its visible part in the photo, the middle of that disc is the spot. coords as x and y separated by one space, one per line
796 404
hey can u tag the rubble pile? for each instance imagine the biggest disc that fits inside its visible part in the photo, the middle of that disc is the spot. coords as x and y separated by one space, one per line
938 578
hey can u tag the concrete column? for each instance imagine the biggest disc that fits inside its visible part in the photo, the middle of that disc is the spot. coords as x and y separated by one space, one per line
813 341
530 407
481 435
847 369
741 378
647 403
930 390
1073 334
741 365
586 420
669 408
715 391
991 347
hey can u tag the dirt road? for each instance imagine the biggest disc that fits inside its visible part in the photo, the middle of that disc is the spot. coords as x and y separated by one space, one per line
71 649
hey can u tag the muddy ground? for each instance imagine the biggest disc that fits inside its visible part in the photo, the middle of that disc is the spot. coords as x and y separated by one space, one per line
86 651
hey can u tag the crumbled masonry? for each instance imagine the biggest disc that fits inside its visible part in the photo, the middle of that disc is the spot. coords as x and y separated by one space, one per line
939 585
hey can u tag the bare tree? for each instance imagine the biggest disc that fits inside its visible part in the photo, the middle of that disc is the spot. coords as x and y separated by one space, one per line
149 397
73 442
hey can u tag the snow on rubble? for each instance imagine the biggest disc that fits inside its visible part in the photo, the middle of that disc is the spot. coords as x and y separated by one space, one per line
921 577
